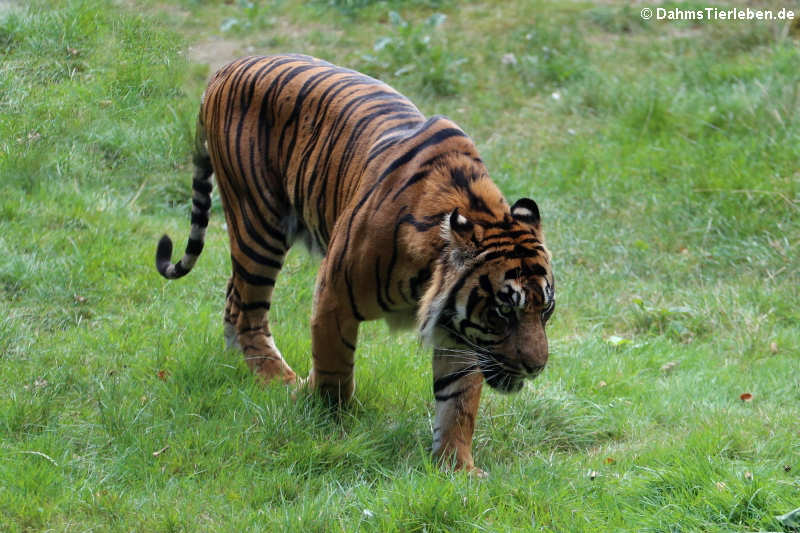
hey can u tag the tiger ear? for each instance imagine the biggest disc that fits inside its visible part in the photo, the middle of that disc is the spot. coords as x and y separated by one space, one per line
459 232
526 211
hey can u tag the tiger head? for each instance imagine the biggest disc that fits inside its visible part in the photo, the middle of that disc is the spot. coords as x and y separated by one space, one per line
491 293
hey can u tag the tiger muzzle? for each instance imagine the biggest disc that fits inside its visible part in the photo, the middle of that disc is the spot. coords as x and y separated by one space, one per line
522 357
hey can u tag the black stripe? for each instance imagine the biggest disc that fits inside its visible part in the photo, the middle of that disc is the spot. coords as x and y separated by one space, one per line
249 277
422 174
476 203
445 397
202 186
458 285
469 324
200 219
348 344
179 270
445 381
333 373
237 152
393 109
486 285
419 176
473 300
352 297
392 135
252 306
261 259
461 178
378 285
505 235
518 245
431 221
416 282
393 261
502 224
194 247
519 252
251 329
203 204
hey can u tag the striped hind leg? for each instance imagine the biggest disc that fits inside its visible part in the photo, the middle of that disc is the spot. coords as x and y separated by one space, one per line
232 304
257 257
247 326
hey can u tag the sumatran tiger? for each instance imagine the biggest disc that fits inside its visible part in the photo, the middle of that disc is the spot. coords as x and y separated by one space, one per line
402 209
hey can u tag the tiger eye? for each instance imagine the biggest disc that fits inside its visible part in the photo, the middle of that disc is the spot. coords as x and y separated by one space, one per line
505 309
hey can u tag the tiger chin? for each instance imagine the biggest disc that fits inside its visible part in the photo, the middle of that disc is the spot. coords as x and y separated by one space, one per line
402 209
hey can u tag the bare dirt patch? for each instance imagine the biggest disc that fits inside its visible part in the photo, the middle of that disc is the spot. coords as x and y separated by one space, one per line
217 52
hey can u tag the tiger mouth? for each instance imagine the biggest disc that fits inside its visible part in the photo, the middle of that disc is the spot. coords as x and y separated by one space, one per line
502 380
507 377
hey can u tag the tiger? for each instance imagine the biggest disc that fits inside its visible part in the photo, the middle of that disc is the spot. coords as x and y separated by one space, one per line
408 223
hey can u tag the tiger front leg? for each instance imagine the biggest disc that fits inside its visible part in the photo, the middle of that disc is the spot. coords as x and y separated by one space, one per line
334 331
457 390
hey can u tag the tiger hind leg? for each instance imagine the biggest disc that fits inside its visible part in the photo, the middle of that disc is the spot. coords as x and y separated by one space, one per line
249 295
231 317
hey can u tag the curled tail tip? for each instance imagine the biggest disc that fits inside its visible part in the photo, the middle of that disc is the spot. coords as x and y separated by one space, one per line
164 256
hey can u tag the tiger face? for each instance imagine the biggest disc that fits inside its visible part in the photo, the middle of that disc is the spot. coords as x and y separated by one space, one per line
496 294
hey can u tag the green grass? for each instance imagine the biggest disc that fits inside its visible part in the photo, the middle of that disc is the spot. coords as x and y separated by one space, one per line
664 158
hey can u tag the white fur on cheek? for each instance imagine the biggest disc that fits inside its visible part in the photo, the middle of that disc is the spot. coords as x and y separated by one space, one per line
445 230
427 334
543 284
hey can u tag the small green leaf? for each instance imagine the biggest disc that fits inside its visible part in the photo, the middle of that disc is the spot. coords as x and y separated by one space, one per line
228 23
615 340
436 20
404 69
381 43
397 20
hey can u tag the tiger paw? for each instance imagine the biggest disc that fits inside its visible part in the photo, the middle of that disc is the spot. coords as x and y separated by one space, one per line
301 387
474 471
268 368
336 393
